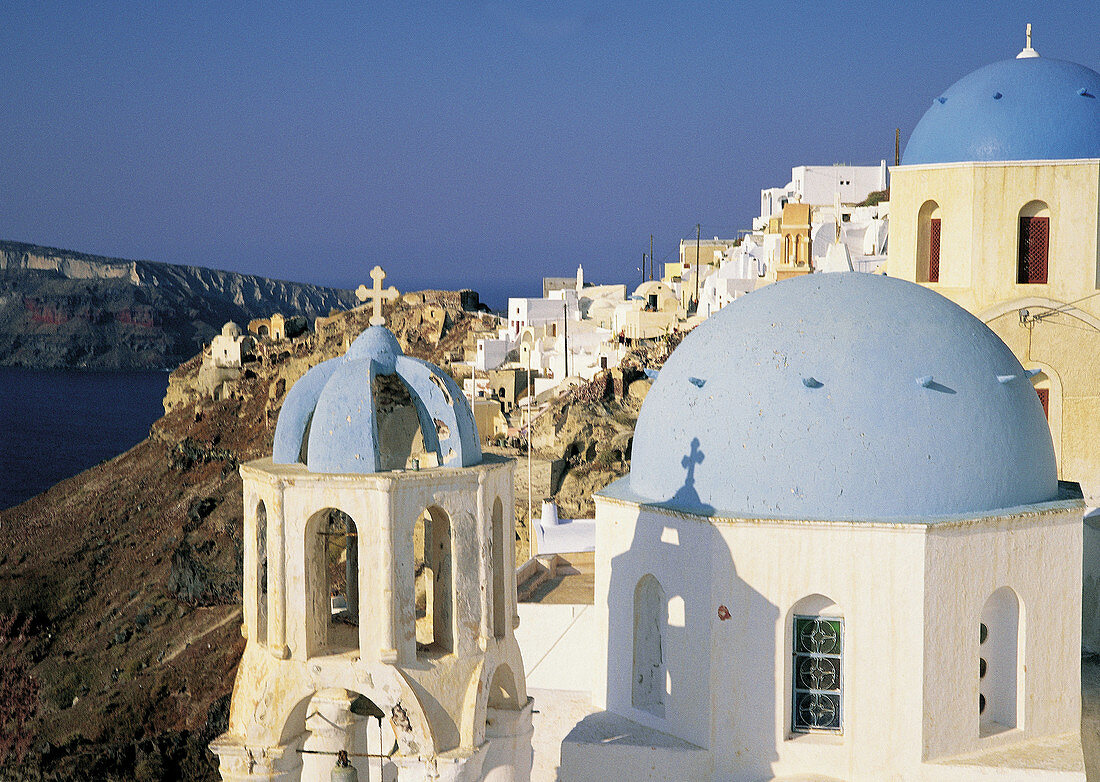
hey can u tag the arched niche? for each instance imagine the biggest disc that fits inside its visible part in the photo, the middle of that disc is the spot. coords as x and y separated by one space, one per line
1033 243
331 582
434 579
503 692
500 594
814 636
649 671
929 232
1000 665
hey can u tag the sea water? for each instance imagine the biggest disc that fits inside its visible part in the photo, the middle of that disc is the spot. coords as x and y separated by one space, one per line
57 423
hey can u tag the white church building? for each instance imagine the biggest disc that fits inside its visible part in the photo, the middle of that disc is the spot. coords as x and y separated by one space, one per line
842 553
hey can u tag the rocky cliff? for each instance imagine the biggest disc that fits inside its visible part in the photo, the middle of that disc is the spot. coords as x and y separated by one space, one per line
64 309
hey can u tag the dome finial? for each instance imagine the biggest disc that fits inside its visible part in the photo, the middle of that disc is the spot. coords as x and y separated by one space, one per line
1028 51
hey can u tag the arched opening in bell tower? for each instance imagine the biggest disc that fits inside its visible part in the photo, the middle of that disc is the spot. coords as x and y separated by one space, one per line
499 599
332 582
432 568
261 573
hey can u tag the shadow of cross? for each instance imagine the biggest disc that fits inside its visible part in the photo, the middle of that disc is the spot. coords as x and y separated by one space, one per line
376 294
690 460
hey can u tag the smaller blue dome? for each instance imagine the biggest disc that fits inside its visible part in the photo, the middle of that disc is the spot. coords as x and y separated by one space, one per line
1031 108
329 421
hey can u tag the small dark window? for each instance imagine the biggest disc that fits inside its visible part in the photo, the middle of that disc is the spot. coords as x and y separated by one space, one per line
934 250
1034 240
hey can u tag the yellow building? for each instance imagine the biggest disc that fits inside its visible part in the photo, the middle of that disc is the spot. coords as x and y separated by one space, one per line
710 250
996 206
795 257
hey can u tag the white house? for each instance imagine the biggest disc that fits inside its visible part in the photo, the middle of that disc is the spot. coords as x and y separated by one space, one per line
819 185
493 351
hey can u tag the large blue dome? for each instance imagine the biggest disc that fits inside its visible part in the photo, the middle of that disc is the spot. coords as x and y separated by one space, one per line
842 396
1030 108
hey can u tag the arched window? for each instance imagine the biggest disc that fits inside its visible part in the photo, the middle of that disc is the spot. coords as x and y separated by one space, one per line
817 656
928 242
500 601
1034 243
999 662
432 572
650 620
261 573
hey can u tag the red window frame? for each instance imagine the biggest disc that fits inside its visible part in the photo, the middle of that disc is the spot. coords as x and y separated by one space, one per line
934 250
1031 266
1044 400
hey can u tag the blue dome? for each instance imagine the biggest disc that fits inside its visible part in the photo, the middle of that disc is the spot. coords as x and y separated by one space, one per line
329 421
1032 108
842 396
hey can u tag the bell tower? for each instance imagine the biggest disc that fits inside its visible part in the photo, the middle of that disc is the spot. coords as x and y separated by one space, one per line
379 584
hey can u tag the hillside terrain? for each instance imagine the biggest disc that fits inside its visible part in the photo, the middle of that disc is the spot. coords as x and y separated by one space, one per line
63 309
120 588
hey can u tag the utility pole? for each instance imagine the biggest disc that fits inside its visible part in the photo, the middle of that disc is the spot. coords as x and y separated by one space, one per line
897 146
698 228
643 267
650 258
565 336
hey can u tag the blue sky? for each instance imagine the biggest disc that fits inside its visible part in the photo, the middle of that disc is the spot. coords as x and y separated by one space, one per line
459 144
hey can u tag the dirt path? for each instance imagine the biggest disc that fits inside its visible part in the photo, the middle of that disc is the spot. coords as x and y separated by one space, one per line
179 648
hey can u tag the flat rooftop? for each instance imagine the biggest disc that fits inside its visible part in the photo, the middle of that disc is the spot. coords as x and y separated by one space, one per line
558 579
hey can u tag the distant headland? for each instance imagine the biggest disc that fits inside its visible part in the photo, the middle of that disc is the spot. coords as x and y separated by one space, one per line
66 309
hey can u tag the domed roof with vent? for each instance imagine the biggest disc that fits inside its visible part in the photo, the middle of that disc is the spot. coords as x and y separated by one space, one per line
330 419
1028 108
842 396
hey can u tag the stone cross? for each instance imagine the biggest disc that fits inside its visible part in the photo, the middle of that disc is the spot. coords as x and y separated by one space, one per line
376 294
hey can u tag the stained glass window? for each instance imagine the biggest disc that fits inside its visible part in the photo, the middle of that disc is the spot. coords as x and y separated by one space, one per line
818 645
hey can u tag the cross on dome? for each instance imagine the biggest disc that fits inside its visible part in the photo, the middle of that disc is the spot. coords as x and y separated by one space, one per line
1028 51
376 294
